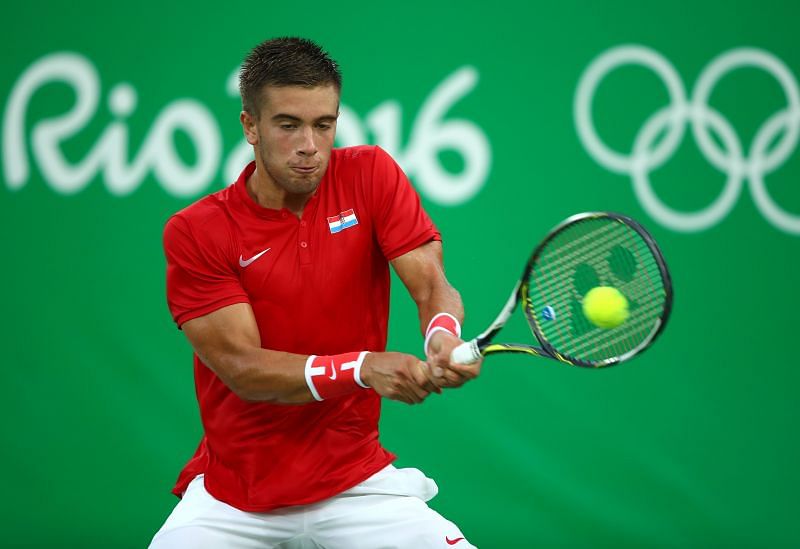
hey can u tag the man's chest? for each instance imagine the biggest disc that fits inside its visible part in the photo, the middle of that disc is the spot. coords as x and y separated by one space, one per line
324 251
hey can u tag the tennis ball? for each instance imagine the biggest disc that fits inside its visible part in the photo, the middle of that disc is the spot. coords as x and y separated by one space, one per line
605 307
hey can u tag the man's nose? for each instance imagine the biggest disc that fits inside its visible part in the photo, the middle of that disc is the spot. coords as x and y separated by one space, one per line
307 145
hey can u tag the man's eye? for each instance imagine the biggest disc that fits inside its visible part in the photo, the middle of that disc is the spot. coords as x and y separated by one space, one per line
288 126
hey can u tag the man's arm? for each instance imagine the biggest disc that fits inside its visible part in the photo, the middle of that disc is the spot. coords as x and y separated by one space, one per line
228 342
422 272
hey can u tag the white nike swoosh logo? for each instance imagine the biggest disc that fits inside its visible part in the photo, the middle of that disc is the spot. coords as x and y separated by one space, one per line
333 367
245 262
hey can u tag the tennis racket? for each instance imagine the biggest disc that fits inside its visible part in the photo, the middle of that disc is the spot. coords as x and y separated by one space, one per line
583 252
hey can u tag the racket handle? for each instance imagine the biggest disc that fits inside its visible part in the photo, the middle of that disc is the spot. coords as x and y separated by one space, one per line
466 353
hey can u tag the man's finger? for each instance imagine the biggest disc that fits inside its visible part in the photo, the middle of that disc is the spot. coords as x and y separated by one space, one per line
418 382
405 394
468 371
414 393
425 378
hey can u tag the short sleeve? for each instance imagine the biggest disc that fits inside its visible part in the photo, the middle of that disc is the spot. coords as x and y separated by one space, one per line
401 223
198 281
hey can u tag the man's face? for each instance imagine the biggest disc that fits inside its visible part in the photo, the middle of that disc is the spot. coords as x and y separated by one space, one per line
293 136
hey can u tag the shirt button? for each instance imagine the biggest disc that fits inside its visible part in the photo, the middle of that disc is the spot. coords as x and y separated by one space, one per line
283 215
302 223
304 244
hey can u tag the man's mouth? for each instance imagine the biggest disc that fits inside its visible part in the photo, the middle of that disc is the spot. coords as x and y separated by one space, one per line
305 170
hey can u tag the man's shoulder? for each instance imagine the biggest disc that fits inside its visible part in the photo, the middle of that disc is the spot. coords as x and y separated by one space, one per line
208 209
359 154
362 163
205 221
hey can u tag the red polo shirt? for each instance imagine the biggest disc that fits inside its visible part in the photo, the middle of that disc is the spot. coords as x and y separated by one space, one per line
317 285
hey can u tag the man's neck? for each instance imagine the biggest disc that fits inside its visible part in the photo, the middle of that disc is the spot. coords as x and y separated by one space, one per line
267 194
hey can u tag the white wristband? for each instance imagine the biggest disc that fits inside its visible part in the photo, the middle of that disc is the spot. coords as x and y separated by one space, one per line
357 369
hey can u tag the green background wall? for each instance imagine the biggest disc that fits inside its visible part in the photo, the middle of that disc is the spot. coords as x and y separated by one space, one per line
694 444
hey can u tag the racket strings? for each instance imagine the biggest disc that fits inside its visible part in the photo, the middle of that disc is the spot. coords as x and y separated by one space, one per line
600 251
561 257
598 343
555 271
565 291
598 246
646 303
564 266
590 343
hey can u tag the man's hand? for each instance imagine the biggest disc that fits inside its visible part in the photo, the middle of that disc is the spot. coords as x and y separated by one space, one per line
446 373
398 376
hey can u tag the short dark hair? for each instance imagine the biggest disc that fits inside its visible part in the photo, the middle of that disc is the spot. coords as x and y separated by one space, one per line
287 61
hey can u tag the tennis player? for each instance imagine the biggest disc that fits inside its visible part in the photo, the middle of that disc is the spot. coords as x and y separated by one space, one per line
281 284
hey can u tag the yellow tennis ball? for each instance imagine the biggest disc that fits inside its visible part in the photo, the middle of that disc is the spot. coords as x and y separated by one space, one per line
605 307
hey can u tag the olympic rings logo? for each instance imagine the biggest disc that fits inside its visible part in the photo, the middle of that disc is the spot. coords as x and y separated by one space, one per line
671 121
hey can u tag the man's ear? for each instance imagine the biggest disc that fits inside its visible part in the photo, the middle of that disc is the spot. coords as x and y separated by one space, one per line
249 127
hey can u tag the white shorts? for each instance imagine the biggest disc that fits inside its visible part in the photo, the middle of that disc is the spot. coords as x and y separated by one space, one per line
387 510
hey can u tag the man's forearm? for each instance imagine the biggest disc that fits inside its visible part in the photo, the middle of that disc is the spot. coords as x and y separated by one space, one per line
442 298
263 375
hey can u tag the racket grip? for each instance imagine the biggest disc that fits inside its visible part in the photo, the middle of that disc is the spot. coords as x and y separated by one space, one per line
466 353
